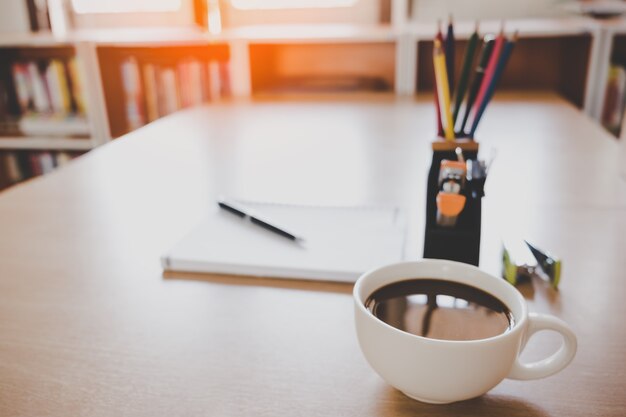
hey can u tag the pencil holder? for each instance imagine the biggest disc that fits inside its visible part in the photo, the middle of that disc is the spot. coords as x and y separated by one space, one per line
460 242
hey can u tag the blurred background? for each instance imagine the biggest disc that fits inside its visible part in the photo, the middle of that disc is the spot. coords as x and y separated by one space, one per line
75 74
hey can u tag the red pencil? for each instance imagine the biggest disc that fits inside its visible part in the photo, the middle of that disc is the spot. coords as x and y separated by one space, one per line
490 70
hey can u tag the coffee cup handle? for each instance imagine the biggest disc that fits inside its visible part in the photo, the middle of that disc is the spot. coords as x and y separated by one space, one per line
552 364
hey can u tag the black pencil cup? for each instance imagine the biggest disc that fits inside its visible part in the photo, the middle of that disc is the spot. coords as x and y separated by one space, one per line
460 242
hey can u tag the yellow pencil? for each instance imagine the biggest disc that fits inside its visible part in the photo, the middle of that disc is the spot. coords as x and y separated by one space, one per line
443 89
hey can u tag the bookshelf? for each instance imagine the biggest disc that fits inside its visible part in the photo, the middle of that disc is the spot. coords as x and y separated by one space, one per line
391 58
612 50
319 58
47 114
158 80
322 67
551 55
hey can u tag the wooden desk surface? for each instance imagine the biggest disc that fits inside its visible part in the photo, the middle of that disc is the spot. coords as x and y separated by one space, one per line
89 326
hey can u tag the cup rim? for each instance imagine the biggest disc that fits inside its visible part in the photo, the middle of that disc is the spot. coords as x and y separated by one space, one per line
519 321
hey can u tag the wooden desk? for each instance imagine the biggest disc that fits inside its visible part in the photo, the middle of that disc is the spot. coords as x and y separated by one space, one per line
90 327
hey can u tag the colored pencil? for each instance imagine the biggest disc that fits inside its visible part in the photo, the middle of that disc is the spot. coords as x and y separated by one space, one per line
502 61
438 37
449 50
443 90
489 72
485 54
465 73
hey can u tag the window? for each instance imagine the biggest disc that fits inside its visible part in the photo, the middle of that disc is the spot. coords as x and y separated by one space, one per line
290 4
125 6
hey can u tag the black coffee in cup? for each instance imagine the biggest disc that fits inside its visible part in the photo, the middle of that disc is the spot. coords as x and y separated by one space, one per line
440 309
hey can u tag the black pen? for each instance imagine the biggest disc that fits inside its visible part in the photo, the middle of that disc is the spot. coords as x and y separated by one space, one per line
246 214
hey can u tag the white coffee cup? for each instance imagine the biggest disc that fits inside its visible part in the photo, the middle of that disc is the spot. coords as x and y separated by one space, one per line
443 371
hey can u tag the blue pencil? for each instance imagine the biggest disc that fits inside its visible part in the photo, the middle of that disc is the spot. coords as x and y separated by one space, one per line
504 57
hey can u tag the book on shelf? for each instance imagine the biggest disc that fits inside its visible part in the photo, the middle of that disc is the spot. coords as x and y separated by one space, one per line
154 90
224 77
38 14
160 93
63 158
13 166
54 125
131 82
46 162
152 99
77 83
12 170
23 86
198 83
40 98
192 82
58 87
171 93
36 164
613 109
9 126
4 97
50 98
16 166
184 81
215 85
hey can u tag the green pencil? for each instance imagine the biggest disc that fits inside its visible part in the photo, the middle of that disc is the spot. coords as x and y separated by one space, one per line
465 72
478 78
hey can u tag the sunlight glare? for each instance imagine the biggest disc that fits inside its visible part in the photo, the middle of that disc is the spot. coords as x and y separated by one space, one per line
125 6
290 4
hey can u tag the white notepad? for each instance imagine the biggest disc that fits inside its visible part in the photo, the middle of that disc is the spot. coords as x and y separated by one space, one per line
341 243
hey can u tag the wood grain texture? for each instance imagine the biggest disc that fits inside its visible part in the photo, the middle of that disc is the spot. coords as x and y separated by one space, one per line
90 326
